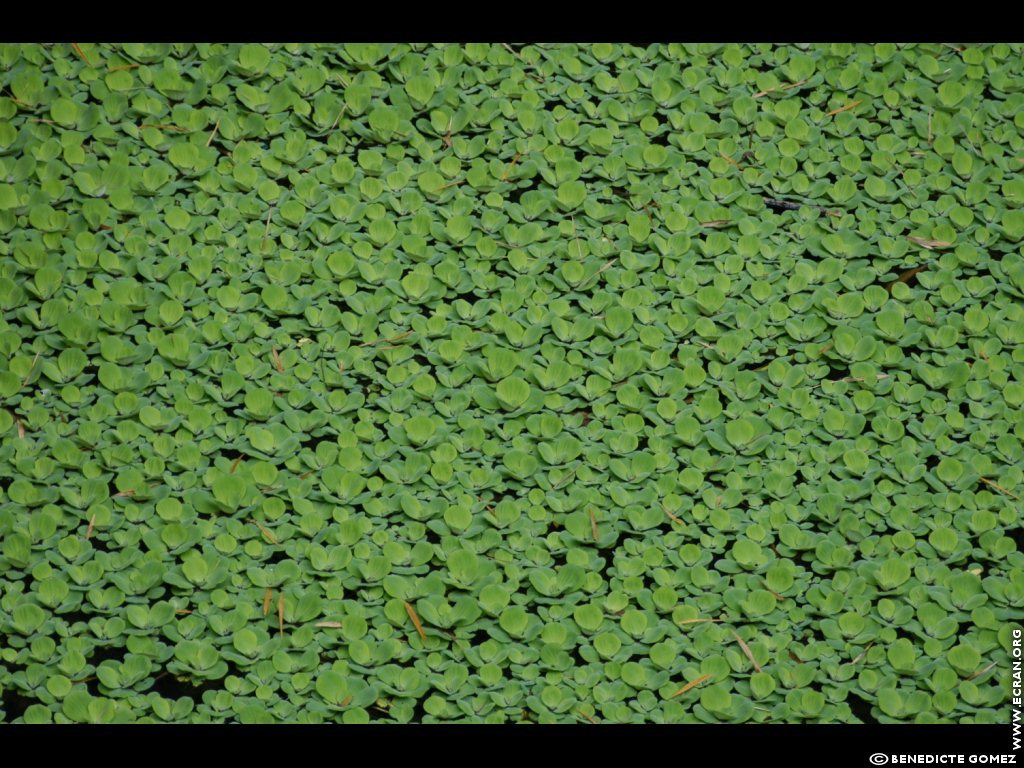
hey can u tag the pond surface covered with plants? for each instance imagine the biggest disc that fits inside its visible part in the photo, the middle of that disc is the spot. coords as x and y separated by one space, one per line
551 383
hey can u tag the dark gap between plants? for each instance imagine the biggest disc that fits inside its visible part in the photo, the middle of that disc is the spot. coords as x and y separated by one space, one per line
170 686
13 704
860 708
1016 534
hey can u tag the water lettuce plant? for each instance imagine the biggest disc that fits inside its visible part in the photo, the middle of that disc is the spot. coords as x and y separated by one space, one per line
501 383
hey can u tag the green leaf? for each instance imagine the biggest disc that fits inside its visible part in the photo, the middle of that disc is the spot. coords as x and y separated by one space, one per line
892 573
740 432
464 566
230 491
419 429
571 194
8 197
951 93
964 659
513 392
420 89
332 687
589 617
890 702
64 111
254 58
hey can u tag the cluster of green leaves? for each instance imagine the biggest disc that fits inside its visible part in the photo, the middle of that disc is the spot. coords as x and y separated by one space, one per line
492 383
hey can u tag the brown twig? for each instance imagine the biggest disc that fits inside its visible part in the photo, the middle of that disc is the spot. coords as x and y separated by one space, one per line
164 127
982 671
746 650
447 138
730 161
564 481
797 84
593 525
266 532
690 685
905 276
16 100
268 595
508 170
277 360
338 118
30 369
415 620
81 54
671 517
266 231
929 244
92 522
862 654
584 714
392 340
538 77
602 270
213 132
846 108
700 621
999 488
878 376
